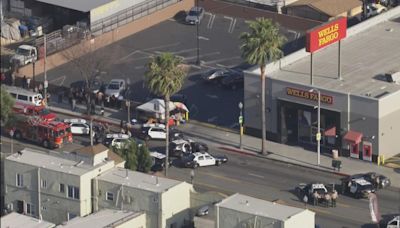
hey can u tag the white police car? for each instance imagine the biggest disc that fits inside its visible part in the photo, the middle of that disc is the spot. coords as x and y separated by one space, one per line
78 126
116 140
153 131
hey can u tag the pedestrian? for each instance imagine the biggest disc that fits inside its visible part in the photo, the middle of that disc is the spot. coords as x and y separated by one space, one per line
24 82
28 83
315 198
73 104
327 199
334 197
40 88
305 200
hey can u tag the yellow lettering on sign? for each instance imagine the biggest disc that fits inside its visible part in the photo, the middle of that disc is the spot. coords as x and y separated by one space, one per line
328 34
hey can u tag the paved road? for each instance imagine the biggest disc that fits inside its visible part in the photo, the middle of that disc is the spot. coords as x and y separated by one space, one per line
267 180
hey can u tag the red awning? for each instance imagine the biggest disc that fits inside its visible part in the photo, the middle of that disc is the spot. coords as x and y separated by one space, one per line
353 137
331 132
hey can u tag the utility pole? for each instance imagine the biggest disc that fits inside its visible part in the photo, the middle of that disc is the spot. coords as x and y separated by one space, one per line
45 71
197 34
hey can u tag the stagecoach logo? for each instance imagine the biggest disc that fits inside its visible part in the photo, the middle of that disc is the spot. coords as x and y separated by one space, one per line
309 95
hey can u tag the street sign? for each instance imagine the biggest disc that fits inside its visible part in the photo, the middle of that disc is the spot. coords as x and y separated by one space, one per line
240 119
318 136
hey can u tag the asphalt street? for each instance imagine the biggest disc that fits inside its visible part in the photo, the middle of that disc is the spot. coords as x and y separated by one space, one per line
218 47
263 179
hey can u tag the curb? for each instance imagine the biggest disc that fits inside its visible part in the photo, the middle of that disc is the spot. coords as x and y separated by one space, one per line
249 153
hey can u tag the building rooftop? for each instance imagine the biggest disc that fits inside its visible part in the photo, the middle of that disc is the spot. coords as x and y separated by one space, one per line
366 57
138 180
103 218
83 6
15 220
250 205
329 7
52 160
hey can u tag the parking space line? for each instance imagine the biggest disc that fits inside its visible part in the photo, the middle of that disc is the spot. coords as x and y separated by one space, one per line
233 26
211 20
127 56
62 78
255 175
203 38
183 51
162 46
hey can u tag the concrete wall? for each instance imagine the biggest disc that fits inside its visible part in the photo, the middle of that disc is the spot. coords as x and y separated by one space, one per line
389 125
176 205
229 218
133 200
137 222
55 205
122 32
305 219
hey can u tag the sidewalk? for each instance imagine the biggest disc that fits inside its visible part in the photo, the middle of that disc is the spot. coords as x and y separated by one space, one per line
228 139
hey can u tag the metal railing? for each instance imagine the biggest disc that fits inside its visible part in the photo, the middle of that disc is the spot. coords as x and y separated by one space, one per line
128 15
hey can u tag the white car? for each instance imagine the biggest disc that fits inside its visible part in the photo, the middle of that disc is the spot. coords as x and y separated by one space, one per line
115 87
116 140
200 159
195 15
78 126
153 131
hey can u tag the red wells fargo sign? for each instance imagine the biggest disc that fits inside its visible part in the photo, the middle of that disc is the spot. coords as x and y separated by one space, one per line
326 34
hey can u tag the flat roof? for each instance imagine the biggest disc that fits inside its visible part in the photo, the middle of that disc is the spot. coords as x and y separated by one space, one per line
16 220
138 180
250 205
52 160
103 218
83 6
366 57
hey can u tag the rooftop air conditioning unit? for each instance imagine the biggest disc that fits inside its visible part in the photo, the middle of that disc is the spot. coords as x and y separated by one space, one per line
393 77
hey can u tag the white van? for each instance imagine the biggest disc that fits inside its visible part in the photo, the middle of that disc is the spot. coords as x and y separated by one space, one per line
24 96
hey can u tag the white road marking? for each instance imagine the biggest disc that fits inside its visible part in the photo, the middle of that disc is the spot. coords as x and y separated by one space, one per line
233 26
183 51
162 46
211 20
203 38
61 79
127 56
212 96
255 175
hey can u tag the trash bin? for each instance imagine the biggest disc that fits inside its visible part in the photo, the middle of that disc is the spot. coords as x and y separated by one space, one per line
335 154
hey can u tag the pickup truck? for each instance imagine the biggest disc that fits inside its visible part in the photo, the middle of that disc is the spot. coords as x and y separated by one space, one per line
24 55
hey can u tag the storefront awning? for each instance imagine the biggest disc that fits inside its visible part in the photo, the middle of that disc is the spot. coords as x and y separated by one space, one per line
353 137
331 132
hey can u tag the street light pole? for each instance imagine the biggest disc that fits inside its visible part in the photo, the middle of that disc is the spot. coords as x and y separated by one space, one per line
45 70
241 124
197 34
319 129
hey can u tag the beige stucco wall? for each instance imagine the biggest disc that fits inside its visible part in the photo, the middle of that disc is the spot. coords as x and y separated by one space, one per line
122 32
389 125
229 218
137 222
305 219
176 205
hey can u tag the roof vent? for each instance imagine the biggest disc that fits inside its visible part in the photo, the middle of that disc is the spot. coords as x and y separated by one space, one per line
393 77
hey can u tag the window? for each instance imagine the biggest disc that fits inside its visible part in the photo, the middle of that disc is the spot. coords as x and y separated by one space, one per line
19 180
73 192
30 209
22 97
110 196
201 158
43 183
71 216
62 188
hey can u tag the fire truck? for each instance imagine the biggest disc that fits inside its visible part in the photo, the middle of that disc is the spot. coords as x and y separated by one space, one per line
48 133
32 110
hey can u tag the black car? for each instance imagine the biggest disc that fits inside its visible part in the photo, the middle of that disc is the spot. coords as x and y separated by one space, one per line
233 80
221 158
378 180
214 75
357 186
96 85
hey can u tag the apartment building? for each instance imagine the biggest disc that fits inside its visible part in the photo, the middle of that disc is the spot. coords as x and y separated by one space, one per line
52 186
108 218
165 202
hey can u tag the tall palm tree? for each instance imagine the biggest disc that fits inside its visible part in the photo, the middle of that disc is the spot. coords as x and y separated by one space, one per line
164 77
262 44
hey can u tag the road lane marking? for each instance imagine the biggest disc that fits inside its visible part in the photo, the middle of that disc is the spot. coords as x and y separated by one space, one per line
162 46
221 177
203 38
255 175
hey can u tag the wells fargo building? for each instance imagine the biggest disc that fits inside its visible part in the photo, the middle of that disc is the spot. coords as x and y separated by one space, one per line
360 112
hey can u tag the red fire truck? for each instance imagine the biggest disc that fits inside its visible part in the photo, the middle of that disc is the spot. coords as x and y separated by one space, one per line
32 110
49 134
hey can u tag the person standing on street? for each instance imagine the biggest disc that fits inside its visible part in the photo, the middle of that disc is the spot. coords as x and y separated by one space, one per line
334 197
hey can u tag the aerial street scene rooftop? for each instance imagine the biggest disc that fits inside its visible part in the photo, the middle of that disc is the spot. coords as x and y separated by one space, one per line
200 113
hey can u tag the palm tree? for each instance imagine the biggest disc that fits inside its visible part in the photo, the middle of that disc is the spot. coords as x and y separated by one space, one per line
262 44
164 77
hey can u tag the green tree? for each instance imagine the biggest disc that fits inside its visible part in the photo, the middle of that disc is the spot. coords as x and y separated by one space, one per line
129 153
7 102
144 159
262 44
165 76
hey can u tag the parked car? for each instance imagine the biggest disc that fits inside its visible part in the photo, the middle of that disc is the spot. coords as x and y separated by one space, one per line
115 88
202 211
198 159
379 180
214 75
195 15
78 126
96 86
394 223
310 189
233 79
116 140
357 186
153 131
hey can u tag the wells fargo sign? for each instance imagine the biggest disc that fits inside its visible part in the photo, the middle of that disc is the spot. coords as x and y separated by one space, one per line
326 34
308 95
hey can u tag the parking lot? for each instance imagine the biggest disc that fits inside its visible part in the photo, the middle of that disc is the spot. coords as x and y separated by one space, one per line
218 47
